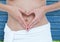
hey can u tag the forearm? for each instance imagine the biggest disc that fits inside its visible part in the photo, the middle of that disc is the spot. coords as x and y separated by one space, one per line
52 7
3 7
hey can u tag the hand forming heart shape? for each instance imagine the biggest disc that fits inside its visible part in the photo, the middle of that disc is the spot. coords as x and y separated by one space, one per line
31 15
15 12
39 14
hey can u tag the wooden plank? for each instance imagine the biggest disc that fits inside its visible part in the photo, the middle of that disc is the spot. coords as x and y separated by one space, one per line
56 38
4 2
55 32
1 37
53 19
52 0
3 13
1 32
55 25
2 25
3 18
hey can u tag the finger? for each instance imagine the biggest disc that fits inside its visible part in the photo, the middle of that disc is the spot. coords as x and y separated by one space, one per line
20 21
33 22
20 9
23 23
21 17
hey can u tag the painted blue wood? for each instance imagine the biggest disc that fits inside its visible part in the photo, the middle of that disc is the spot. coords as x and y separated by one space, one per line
52 0
53 17
3 13
3 18
56 37
56 32
55 26
3 2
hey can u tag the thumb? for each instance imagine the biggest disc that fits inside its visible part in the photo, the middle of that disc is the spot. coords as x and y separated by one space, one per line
21 10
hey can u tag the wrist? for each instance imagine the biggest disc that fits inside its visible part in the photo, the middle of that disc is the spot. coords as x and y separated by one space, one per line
44 8
1 6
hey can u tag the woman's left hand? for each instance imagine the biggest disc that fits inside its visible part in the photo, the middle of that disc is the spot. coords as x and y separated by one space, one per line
39 14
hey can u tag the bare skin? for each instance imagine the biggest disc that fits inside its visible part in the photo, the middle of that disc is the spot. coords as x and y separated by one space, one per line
27 6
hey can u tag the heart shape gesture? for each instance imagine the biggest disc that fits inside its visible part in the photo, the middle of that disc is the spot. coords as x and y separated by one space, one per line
16 13
27 18
38 15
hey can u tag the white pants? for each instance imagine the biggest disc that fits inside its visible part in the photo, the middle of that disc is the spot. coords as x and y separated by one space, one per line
37 34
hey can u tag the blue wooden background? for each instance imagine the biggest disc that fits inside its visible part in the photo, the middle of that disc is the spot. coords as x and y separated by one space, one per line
53 17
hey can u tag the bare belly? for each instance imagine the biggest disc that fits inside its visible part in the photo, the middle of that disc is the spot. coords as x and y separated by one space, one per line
26 5
15 26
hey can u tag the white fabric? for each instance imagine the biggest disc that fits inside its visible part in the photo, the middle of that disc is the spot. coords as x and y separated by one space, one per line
37 34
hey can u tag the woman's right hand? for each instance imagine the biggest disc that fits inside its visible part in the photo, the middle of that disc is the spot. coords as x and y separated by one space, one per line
15 12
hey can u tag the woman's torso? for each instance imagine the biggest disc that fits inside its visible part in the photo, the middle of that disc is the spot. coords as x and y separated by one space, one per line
27 5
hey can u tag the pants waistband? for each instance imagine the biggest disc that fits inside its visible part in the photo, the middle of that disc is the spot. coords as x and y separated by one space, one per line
33 30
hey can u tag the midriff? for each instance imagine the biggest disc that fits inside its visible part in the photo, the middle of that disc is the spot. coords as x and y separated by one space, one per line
15 26
26 5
